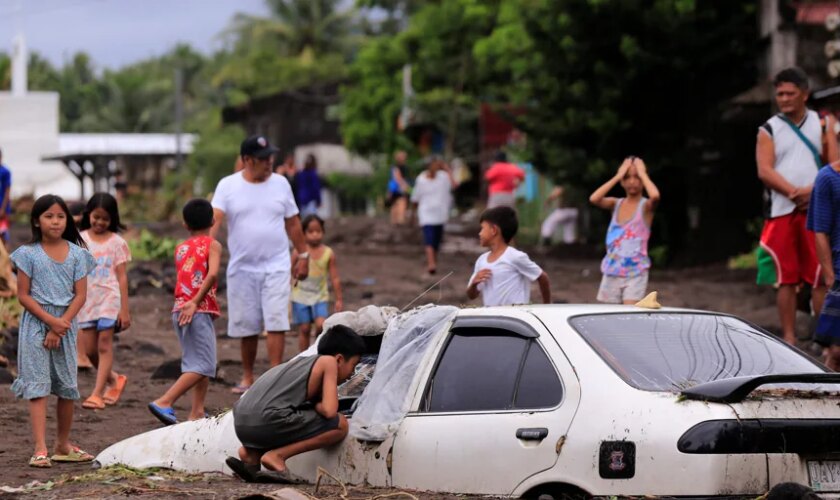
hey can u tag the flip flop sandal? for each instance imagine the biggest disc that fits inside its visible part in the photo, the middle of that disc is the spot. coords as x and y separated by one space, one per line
274 477
242 470
113 394
165 415
93 403
76 455
41 461
240 389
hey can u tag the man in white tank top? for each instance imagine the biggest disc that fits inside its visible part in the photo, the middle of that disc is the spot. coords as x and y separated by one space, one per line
790 149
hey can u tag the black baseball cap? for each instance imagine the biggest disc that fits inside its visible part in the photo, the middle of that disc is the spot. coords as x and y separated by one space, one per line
258 147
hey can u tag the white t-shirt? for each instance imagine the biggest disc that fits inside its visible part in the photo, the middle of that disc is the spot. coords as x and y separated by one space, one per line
433 198
510 282
256 214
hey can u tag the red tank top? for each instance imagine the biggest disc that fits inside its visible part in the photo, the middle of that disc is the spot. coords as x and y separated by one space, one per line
191 261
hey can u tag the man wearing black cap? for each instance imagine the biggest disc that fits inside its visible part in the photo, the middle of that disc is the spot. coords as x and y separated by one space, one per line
262 216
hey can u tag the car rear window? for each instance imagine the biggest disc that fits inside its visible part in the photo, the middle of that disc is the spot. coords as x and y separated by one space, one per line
671 352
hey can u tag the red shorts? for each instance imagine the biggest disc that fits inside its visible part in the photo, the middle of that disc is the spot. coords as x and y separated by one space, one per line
792 249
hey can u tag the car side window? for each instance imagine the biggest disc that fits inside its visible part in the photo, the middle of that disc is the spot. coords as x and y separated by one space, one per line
492 369
539 386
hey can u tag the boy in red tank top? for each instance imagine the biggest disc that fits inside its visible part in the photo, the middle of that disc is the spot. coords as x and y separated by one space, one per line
197 262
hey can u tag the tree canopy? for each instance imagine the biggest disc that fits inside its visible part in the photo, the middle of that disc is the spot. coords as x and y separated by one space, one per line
591 80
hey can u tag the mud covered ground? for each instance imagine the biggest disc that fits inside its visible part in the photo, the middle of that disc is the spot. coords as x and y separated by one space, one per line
378 265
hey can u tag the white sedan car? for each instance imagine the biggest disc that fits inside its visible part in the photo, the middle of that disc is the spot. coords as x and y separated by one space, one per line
577 400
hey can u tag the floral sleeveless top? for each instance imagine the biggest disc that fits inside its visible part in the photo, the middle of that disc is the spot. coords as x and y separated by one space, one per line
192 261
627 244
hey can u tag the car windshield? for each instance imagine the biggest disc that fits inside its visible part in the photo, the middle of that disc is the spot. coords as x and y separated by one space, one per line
672 352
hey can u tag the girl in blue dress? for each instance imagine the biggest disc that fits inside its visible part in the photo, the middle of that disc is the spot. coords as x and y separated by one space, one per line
52 274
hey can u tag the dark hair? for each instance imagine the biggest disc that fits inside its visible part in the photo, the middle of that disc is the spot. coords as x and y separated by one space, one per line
198 214
342 340
309 219
41 205
792 75
76 208
504 218
500 156
311 162
791 491
106 202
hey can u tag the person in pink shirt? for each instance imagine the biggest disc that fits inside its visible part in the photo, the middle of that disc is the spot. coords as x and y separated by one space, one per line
106 309
503 178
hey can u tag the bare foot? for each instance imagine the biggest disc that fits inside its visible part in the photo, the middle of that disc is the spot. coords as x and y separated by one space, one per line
64 450
273 461
250 457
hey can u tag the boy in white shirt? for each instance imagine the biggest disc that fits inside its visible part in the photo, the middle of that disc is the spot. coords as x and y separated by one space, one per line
503 276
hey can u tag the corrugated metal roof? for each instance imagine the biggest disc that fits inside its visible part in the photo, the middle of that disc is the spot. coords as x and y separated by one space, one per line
70 145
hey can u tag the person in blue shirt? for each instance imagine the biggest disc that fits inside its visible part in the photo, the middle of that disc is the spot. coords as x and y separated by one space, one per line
824 220
308 187
6 202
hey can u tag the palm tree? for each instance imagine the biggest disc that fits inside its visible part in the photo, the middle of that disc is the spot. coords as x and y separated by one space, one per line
302 42
298 27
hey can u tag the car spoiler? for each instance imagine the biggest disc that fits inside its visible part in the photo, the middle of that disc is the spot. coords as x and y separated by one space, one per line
736 389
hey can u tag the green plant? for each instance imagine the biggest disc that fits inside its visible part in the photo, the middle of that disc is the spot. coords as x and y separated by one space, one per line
10 311
147 246
747 260
659 255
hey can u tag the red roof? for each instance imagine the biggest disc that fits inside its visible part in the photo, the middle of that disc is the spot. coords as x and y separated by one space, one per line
815 12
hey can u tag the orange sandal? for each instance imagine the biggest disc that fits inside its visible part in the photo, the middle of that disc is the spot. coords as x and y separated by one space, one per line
112 395
93 403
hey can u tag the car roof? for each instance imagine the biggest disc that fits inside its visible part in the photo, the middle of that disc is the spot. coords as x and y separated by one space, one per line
556 311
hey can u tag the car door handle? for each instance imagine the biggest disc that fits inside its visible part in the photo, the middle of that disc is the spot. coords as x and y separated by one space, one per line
532 434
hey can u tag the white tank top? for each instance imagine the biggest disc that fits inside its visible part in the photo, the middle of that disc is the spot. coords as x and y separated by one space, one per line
794 160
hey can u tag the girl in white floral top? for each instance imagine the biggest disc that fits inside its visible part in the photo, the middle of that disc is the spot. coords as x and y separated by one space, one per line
106 309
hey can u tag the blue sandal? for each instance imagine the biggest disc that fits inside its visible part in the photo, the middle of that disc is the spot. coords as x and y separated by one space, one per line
165 415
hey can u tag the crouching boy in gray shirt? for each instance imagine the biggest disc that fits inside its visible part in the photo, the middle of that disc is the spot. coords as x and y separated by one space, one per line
293 408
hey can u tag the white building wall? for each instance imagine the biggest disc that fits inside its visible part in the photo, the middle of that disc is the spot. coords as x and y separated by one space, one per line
29 131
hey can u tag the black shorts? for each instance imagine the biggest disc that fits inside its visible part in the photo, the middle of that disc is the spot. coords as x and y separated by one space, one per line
392 198
283 431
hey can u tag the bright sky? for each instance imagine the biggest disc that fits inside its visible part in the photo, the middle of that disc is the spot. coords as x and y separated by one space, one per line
118 32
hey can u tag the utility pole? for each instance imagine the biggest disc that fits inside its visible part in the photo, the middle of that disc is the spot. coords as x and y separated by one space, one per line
179 116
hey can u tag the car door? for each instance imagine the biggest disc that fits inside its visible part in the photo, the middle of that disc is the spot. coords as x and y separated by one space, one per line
495 409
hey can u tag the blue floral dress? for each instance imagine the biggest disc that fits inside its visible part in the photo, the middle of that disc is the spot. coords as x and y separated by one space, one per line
42 371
